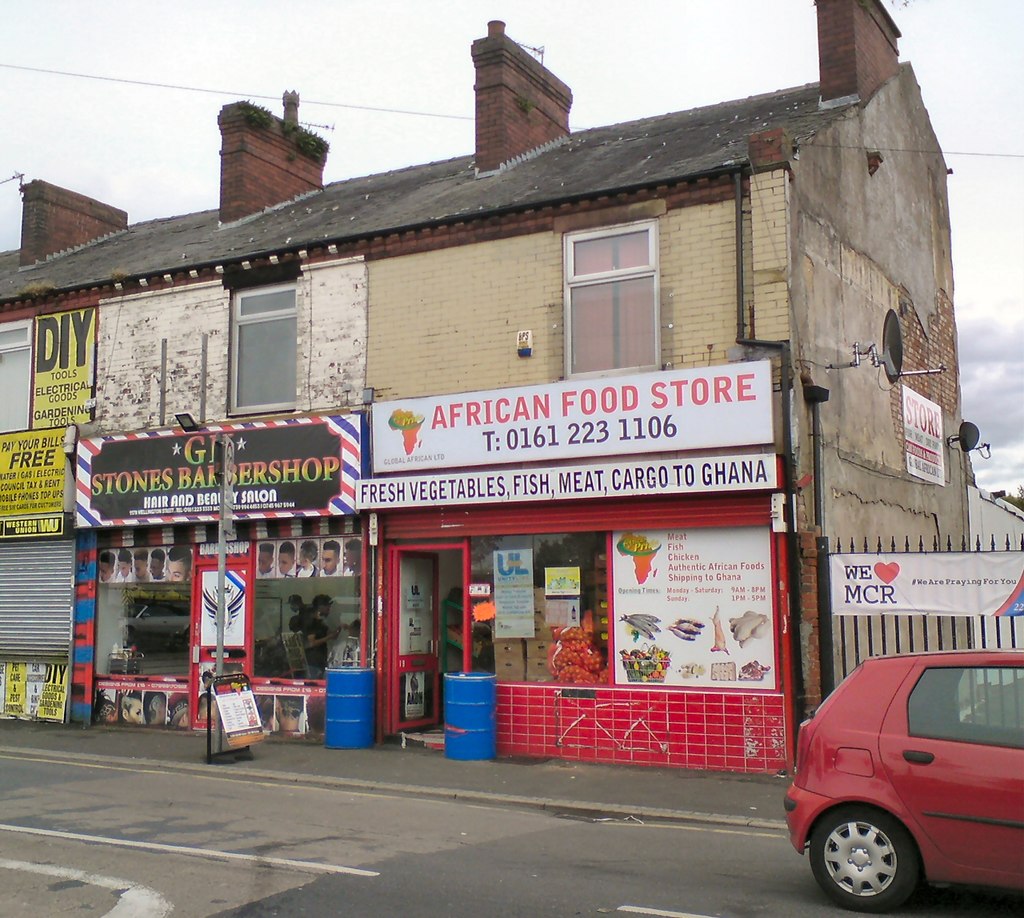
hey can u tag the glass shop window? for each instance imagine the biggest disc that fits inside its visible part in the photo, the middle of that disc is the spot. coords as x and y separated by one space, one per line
143 620
306 589
540 607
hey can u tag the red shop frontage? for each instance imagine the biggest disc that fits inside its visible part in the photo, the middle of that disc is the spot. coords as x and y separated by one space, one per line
630 595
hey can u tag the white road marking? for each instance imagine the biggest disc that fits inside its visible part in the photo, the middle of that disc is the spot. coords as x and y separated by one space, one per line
135 902
660 912
307 866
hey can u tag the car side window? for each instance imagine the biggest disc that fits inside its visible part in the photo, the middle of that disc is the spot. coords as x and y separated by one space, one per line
970 704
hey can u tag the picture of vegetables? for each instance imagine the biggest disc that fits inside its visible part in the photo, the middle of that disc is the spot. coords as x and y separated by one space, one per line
646 665
642 551
719 646
409 424
686 629
642 624
748 626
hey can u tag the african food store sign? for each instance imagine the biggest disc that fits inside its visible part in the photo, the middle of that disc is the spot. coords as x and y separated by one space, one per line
946 583
672 411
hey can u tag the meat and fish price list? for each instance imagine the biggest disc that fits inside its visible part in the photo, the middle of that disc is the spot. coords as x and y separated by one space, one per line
694 608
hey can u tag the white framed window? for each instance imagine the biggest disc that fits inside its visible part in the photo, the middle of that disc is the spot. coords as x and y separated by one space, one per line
611 297
263 350
15 374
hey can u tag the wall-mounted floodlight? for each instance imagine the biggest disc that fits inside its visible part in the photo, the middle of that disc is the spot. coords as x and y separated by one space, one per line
186 422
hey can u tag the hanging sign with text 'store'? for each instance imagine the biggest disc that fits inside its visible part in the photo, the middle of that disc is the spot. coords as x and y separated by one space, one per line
672 411
299 467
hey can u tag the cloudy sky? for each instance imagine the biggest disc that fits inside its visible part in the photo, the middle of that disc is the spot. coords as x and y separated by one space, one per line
390 83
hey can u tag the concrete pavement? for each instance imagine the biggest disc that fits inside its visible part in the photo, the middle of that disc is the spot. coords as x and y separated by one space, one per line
555 785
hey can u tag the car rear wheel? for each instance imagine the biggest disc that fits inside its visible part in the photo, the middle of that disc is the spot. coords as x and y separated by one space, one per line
863 859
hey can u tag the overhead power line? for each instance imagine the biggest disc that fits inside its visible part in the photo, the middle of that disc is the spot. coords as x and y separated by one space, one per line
237 95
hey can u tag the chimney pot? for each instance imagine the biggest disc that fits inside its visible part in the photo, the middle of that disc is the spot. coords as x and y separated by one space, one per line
291 107
495 28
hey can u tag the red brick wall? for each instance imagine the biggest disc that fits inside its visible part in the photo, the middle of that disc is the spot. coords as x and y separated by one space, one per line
260 166
54 219
857 47
520 104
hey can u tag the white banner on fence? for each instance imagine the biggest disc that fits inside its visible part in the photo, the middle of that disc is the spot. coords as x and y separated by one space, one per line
943 583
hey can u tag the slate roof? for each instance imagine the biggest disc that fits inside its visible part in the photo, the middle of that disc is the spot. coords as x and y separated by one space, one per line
607 159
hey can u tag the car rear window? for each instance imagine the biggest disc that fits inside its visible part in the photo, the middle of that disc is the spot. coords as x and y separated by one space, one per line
971 704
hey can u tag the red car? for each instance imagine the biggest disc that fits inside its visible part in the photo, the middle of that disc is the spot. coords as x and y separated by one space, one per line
911 770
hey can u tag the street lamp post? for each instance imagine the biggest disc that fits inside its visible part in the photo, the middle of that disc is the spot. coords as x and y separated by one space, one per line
224 448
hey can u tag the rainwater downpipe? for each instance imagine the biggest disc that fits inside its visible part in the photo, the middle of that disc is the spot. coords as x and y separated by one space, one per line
786 385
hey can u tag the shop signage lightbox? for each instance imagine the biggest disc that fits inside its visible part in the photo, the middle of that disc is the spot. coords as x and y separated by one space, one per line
673 411
637 478
298 467
63 368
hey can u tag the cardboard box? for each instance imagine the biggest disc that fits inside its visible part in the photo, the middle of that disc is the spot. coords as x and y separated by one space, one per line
509 663
537 670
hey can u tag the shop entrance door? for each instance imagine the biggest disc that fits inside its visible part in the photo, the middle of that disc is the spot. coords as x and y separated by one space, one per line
237 606
415 622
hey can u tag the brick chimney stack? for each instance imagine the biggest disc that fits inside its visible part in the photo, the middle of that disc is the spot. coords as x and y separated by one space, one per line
54 219
520 104
857 48
261 161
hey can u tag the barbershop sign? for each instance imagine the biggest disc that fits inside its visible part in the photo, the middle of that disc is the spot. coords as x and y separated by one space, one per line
675 411
625 479
299 467
943 583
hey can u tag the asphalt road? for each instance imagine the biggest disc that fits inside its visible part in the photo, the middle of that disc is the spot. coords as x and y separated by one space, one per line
144 843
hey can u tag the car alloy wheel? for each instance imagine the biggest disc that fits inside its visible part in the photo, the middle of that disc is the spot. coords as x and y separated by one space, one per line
864 859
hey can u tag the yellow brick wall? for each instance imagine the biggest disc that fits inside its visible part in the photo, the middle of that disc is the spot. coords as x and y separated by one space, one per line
446 321
769 223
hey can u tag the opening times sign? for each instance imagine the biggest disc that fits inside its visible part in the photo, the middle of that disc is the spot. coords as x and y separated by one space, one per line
724 406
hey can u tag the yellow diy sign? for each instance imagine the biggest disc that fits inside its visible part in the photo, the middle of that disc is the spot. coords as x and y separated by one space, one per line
64 363
54 694
32 472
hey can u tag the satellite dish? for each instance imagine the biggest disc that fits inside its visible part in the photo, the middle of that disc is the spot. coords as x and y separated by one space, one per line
892 347
968 436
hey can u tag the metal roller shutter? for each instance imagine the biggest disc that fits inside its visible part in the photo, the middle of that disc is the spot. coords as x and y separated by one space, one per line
36 599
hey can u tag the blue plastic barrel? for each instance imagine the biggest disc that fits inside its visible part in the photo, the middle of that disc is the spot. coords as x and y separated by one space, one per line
350 696
469 703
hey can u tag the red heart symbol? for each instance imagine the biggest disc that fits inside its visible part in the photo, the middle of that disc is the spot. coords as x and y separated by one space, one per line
887 573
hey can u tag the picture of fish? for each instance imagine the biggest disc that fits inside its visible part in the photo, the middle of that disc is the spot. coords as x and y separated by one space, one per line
642 624
686 629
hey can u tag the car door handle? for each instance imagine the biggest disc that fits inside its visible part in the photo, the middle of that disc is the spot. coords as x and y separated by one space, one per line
917 757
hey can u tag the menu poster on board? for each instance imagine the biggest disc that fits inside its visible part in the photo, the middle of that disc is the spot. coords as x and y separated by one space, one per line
694 608
239 715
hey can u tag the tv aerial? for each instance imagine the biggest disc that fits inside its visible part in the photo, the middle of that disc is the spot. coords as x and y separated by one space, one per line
890 357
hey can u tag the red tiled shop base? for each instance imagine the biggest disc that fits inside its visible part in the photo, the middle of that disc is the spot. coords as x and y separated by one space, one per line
691 729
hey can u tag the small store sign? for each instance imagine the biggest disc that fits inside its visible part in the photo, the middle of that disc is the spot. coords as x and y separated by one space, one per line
714 407
639 477
923 438
946 583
